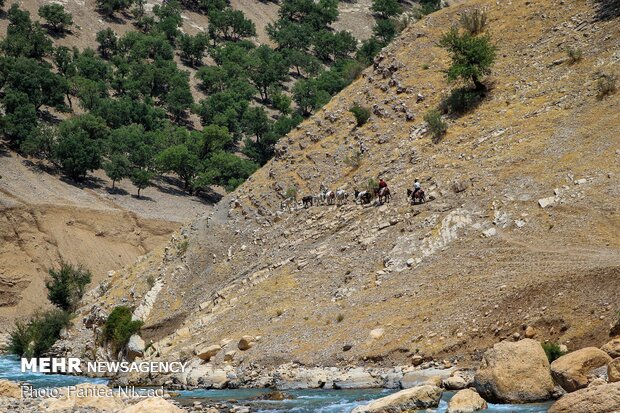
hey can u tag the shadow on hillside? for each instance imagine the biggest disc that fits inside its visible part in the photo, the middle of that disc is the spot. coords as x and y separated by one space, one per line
38 167
142 197
90 182
173 186
607 9
116 191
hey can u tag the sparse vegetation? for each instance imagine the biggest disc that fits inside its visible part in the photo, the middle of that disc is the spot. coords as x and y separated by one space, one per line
183 247
574 55
362 114
553 351
474 21
371 185
66 285
354 160
119 327
36 337
340 317
150 281
606 85
291 193
436 125
461 100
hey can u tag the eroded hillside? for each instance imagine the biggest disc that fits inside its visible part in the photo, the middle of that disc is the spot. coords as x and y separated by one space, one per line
475 265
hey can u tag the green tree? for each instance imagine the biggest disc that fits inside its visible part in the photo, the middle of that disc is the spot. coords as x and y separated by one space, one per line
386 8
38 335
225 169
472 56
25 38
141 178
267 68
108 42
182 161
168 18
308 96
109 7
56 17
215 138
230 25
66 286
193 48
117 168
384 30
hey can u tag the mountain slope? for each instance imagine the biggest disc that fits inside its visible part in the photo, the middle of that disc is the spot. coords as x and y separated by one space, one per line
448 278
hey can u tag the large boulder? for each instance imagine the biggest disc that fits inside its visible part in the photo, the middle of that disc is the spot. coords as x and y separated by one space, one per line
612 348
466 401
357 378
135 347
613 370
515 372
205 353
10 389
571 370
420 397
596 399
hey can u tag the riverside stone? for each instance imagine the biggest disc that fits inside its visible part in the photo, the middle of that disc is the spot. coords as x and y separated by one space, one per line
515 372
571 370
597 399
466 401
419 397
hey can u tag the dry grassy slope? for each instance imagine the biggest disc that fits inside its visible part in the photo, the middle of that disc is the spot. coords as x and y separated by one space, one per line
289 277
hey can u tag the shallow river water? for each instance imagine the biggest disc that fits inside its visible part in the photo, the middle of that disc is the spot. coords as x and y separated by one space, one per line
302 401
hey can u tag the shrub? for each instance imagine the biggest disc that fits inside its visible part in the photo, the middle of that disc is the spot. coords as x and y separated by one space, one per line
606 85
150 281
461 100
119 327
574 55
472 56
37 336
361 114
371 185
65 287
56 16
183 247
553 351
436 125
291 192
474 21
340 317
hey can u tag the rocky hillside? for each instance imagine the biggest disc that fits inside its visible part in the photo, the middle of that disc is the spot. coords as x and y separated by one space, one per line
523 228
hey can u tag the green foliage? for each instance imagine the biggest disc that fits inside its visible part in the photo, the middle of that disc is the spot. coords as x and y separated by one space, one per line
472 56
552 350
606 85
225 169
371 185
193 48
66 285
436 125
141 178
291 193
386 8
362 114
109 7
56 16
35 337
369 49
574 55
119 327
183 247
267 68
168 18
230 25
117 168
309 96
25 38
384 30
474 21
108 42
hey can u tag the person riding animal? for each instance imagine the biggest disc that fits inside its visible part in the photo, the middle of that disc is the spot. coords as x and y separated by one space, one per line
416 188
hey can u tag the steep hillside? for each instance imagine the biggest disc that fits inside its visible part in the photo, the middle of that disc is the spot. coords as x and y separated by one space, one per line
475 265
44 220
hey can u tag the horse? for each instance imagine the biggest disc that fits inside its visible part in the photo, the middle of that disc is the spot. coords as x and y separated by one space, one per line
330 197
383 194
287 203
341 197
307 201
420 196
363 197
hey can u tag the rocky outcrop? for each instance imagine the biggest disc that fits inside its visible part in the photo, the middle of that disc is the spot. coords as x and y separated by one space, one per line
245 343
612 348
10 389
466 401
613 370
420 397
596 399
571 370
152 405
515 372
205 353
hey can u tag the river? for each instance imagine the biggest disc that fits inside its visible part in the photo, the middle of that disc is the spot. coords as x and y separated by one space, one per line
302 401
